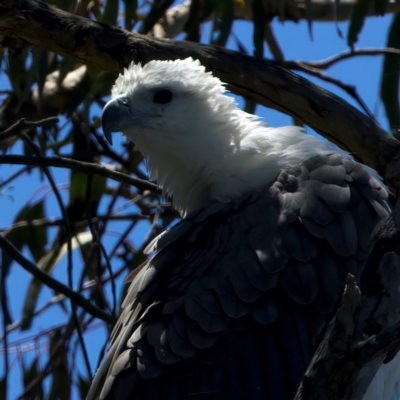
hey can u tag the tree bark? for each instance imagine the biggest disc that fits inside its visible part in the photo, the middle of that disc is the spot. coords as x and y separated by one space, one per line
365 331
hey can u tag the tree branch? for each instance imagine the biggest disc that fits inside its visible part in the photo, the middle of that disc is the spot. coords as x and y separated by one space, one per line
112 49
327 63
364 331
19 126
82 166
29 266
346 362
323 10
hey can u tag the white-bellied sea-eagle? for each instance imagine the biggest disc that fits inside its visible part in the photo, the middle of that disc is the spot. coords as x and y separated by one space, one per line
230 300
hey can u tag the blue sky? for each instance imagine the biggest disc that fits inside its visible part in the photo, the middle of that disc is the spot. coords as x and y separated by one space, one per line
294 39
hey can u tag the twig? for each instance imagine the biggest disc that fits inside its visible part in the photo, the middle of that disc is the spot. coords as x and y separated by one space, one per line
4 310
89 168
22 124
36 150
54 300
349 89
13 176
57 222
123 237
32 268
273 44
97 240
328 62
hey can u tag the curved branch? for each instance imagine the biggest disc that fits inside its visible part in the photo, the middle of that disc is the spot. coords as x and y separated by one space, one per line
112 49
328 62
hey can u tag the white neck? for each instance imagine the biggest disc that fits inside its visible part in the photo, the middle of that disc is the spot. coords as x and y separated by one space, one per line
201 168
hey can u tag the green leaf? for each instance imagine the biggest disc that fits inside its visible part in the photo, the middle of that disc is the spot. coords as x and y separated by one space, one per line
95 9
199 10
60 372
380 7
110 13
259 25
78 188
130 13
66 66
226 13
250 106
390 77
3 395
357 21
31 374
35 237
158 9
241 47
83 386
46 264
309 15
16 71
39 69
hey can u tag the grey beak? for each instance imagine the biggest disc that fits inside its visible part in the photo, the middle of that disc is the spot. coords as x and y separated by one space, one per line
115 117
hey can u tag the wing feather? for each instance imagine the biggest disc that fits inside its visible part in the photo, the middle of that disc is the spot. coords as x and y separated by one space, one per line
235 294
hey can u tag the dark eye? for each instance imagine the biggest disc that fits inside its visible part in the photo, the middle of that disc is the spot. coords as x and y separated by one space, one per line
163 97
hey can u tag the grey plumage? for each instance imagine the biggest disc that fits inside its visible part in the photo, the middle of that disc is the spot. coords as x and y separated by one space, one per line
231 300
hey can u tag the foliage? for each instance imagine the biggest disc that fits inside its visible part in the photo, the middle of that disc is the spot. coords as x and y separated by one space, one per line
91 206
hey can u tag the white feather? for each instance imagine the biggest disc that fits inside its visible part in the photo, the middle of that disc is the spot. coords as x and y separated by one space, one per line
386 383
201 146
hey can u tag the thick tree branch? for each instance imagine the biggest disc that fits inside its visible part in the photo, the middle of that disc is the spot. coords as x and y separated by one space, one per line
346 359
111 49
29 266
364 332
292 10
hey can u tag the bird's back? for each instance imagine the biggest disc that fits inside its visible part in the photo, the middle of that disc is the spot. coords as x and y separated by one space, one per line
232 302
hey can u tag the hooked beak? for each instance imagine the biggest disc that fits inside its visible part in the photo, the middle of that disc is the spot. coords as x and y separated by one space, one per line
115 116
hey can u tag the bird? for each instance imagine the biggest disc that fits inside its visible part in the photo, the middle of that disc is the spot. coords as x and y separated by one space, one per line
232 299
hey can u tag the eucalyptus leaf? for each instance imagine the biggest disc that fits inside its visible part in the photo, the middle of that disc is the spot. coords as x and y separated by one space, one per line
110 13
390 87
46 264
357 21
83 386
226 13
130 13
40 70
60 372
31 374
309 15
259 24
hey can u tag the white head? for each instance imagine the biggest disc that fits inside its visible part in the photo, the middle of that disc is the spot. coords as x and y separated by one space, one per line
198 144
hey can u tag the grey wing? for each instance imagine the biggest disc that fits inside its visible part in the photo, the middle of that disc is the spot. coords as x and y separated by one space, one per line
230 304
